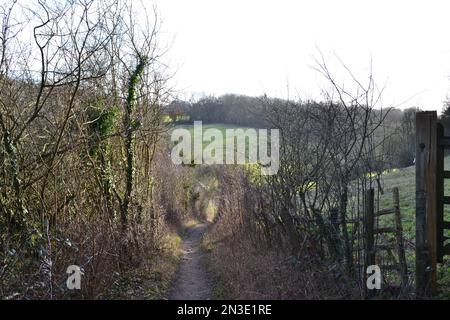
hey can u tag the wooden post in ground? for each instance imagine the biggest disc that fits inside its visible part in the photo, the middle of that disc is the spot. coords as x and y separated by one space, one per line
440 195
369 245
426 208
399 238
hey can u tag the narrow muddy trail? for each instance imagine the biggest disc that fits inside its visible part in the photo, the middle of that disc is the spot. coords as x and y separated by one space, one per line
193 281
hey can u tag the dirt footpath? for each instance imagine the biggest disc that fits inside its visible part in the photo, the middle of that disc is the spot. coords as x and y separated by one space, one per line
192 281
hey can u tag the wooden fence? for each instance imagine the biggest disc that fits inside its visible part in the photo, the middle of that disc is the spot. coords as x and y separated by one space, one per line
372 230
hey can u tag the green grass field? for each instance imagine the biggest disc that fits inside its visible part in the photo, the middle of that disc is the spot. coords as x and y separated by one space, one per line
222 128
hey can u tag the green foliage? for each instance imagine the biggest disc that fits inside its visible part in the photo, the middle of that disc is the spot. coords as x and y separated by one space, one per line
102 122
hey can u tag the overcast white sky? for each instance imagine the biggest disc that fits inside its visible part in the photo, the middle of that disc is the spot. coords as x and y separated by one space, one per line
260 46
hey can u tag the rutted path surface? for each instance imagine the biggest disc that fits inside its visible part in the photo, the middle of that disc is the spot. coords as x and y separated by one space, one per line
193 282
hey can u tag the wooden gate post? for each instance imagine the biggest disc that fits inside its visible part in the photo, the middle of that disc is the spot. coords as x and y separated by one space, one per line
399 238
369 245
426 206
440 174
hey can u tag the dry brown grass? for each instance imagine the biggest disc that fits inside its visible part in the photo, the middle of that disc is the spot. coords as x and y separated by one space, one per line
250 264
250 271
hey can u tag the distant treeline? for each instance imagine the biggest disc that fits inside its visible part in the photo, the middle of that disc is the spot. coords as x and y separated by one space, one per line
232 109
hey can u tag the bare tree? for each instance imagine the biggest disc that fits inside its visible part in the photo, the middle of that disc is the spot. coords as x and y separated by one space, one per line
68 72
